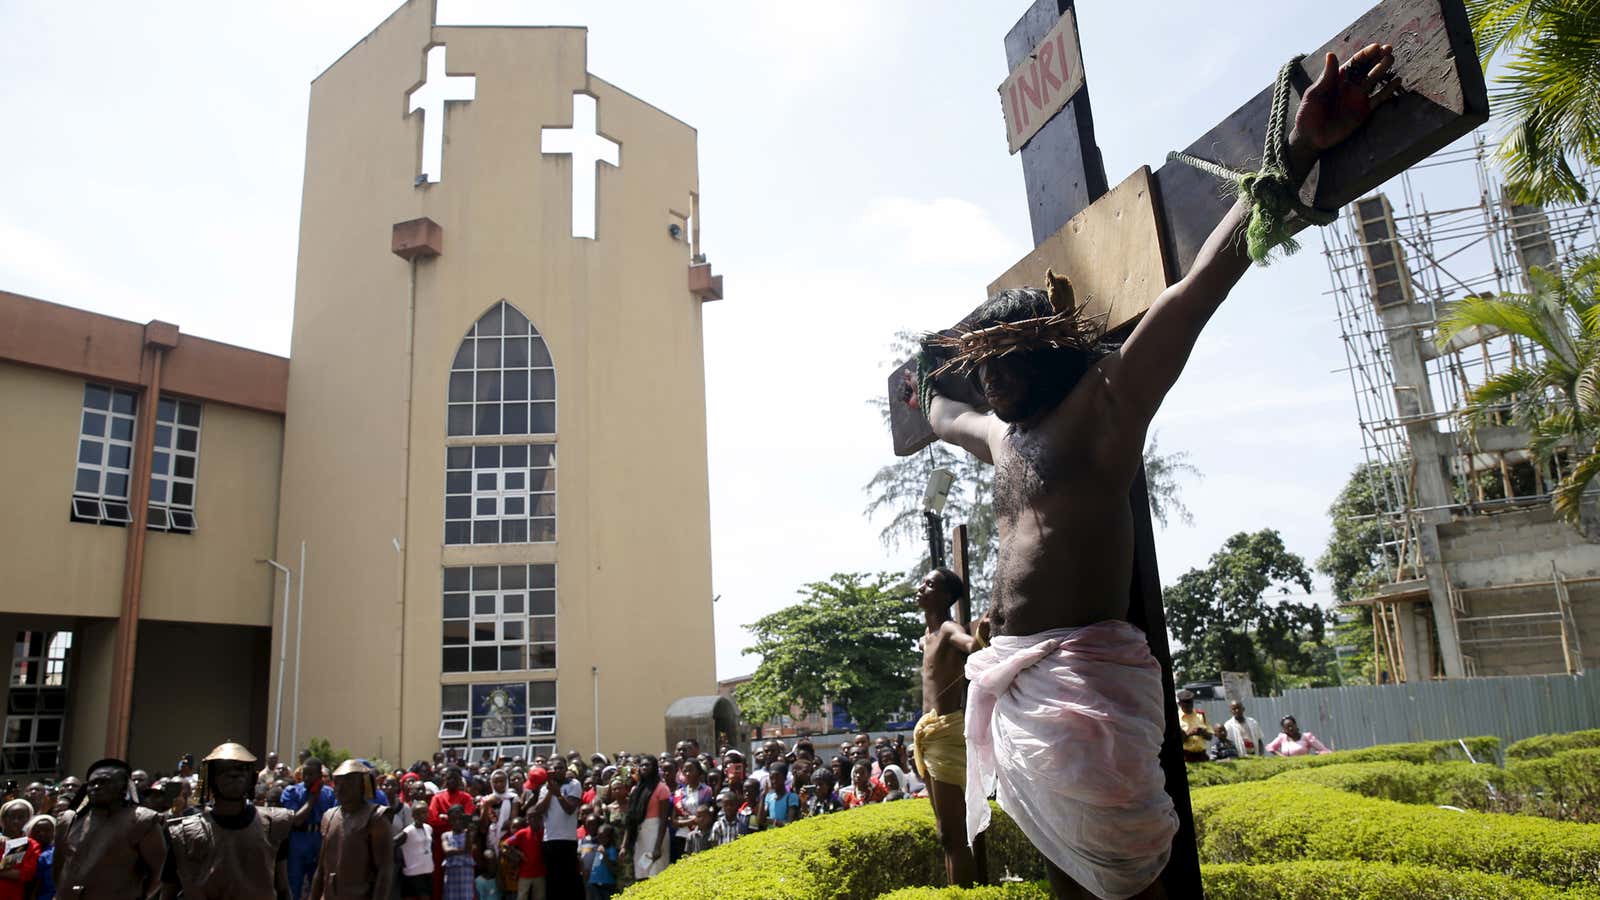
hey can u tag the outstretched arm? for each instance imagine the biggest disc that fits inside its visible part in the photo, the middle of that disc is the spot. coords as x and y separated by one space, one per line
957 423
1337 104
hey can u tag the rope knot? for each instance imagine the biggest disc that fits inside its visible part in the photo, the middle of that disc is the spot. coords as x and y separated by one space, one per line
1270 192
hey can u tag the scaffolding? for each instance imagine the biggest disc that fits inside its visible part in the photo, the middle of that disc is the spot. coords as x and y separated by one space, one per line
1394 269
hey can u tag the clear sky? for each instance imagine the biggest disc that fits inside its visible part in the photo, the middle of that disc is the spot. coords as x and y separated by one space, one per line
854 181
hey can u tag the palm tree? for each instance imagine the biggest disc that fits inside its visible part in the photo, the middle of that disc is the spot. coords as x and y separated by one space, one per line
1557 398
1551 90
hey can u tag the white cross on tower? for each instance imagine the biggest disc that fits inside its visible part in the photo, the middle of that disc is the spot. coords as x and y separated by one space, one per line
430 97
588 149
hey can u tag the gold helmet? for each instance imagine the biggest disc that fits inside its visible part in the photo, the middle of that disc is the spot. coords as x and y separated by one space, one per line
369 783
227 751
230 751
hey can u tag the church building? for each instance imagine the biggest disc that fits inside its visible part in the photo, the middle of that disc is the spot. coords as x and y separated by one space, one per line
469 510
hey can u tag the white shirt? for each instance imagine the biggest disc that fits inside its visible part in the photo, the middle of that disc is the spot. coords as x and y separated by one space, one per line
416 849
1240 732
560 825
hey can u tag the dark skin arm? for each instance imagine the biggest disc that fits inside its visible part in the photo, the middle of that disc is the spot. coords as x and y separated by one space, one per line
1334 107
378 845
152 854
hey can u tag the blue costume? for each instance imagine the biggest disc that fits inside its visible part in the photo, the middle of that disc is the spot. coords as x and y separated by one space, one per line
305 843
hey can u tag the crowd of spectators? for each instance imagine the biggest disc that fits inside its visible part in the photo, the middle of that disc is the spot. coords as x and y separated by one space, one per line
561 827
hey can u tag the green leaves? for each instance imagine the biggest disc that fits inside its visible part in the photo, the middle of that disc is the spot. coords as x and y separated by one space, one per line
852 640
1548 90
1554 395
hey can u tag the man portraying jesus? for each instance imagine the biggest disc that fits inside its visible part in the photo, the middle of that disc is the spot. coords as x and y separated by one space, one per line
1064 710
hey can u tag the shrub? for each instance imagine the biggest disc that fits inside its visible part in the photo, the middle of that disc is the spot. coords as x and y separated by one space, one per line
1016 890
1281 821
1321 880
856 854
1551 744
1260 768
322 749
1563 786
1480 787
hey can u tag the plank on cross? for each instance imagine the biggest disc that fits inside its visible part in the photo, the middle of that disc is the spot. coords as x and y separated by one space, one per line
1443 98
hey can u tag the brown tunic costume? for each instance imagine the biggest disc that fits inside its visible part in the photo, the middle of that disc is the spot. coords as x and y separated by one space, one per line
114 855
347 867
215 861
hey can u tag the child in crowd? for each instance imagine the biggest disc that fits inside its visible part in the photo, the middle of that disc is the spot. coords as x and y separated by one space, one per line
459 870
700 833
485 854
602 881
891 785
588 843
42 828
752 803
416 854
726 829
526 847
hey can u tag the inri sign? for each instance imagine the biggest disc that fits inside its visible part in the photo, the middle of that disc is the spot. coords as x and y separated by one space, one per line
1043 83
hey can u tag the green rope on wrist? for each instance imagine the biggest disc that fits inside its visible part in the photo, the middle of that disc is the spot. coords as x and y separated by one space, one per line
1270 192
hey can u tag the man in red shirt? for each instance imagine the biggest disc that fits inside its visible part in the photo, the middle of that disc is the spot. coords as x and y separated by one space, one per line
525 846
453 794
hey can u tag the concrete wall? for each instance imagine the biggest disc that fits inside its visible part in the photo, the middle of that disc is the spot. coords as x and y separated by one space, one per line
1519 547
372 345
212 575
57 567
52 566
89 698
195 687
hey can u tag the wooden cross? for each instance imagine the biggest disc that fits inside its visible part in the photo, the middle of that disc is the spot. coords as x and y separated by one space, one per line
1121 247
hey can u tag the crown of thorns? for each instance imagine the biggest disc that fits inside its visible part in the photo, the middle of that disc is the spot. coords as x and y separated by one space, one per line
1067 328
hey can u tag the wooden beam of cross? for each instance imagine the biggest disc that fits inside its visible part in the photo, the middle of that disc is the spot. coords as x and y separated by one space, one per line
1122 247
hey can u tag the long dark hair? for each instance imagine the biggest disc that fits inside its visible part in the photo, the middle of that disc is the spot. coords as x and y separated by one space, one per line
639 800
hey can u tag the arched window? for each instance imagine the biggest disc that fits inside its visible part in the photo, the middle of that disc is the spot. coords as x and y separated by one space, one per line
502 380
501 383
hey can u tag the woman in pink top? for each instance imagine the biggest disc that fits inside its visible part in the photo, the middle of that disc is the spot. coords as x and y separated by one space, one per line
1291 741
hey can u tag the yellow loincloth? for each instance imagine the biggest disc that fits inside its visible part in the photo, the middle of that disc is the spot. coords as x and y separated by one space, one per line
941 745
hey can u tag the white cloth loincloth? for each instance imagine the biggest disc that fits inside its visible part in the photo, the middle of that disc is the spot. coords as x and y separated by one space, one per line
1065 726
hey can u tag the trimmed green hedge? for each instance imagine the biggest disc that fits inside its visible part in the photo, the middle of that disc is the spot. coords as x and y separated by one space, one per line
1282 821
1551 744
1260 768
1564 786
1307 880
1015 890
856 854
1342 880
1449 783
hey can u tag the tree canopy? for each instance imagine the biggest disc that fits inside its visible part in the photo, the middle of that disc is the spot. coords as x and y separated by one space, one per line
1226 619
851 640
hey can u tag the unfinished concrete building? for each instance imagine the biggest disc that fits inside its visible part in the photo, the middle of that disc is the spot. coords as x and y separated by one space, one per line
1480 576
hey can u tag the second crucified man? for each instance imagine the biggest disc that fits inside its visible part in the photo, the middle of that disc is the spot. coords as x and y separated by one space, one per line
1064 714
939 738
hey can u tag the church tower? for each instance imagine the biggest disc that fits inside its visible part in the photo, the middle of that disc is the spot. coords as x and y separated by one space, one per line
495 445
